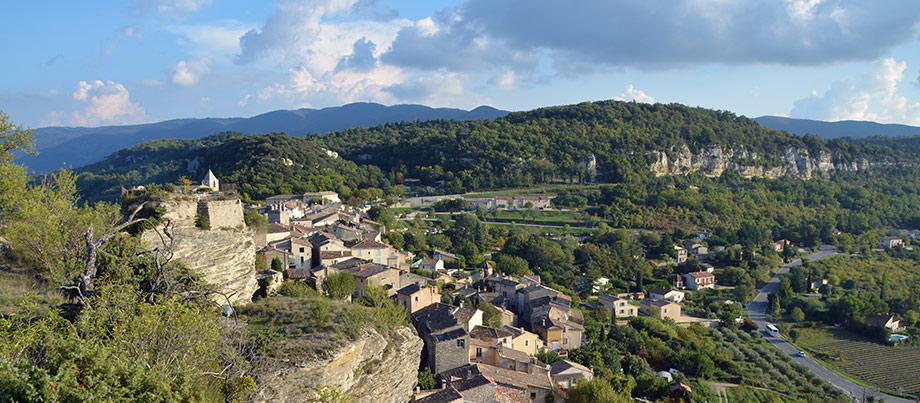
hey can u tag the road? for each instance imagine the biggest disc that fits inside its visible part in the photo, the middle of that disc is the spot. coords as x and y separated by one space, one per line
757 309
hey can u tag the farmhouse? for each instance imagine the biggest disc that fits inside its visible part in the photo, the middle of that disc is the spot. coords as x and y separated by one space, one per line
699 280
884 320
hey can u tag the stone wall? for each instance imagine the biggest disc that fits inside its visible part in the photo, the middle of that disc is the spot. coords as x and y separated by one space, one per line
373 368
222 214
224 256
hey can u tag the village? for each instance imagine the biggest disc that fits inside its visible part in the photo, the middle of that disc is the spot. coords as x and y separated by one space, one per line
474 355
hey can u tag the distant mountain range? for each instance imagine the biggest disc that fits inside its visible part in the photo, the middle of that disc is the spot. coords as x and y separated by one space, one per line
75 147
844 128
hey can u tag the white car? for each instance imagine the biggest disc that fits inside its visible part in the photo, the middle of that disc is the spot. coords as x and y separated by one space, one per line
800 353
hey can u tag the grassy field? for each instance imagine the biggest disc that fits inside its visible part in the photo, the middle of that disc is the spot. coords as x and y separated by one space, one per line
15 285
868 362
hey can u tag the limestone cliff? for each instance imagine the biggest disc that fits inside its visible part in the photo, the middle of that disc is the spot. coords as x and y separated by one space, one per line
794 161
223 255
373 368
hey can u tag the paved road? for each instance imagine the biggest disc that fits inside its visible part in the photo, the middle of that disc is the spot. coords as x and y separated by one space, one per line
757 309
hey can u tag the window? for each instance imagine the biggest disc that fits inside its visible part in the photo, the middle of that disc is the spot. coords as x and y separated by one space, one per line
563 329
301 250
533 395
478 352
416 299
665 310
565 341
461 343
526 342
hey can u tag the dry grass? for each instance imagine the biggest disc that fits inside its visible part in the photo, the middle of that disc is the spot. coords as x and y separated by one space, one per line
17 284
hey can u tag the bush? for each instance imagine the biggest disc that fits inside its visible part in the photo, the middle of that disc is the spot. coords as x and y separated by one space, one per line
202 222
294 289
340 285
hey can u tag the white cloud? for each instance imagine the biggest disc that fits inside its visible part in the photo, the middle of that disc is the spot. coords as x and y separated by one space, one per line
874 96
175 9
218 41
488 35
189 72
633 94
505 80
106 103
244 101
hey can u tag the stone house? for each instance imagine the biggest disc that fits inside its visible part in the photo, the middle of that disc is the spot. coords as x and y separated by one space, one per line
379 275
374 251
492 336
660 309
483 352
619 307
699 280
302 250
413 297
496 384
446 341
468 317
443 255
566 374
210 181
524 341
559 334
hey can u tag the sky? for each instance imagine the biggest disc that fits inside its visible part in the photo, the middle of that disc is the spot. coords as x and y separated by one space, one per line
76 63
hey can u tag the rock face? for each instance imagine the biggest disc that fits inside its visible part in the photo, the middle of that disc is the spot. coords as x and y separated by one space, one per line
795 162
373 368
224 255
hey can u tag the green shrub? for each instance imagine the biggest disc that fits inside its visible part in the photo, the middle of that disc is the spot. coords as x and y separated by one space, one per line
202 222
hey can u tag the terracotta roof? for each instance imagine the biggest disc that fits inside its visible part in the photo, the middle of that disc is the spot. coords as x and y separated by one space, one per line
295 274
482 332
333 254
274 228
516 379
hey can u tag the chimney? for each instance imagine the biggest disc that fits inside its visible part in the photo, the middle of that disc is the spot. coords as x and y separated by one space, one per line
469 374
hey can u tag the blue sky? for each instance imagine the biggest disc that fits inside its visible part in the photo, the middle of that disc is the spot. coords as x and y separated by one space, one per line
102 63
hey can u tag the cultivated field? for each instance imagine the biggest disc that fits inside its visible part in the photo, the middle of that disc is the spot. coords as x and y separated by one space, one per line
871 363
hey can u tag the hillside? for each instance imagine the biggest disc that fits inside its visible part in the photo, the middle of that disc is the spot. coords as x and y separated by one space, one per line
845 128
604 141
78 146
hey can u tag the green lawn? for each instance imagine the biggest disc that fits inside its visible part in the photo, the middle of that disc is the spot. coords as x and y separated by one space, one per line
865 361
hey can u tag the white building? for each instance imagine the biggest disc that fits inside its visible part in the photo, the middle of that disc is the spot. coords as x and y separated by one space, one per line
210 181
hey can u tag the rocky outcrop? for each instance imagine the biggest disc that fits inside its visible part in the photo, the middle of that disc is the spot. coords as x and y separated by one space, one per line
223 256
713 161
374 368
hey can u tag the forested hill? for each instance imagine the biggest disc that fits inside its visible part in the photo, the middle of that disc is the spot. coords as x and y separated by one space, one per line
628 141
78 146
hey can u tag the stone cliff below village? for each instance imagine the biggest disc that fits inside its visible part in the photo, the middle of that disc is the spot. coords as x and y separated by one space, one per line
373 368
794 162
223 255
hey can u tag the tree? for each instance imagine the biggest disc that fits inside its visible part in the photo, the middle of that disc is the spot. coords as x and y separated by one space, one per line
596 390
797 315
396 239
340 285
426 379
491 316
14 137
277 265
512 265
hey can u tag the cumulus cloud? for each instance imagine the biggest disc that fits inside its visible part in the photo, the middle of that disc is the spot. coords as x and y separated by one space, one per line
105 103
218 41
189 72
175 9
435 89
633 94
362 58
486 34
872 97
290 29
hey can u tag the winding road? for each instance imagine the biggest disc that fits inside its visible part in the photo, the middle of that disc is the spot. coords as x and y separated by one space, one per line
757 309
